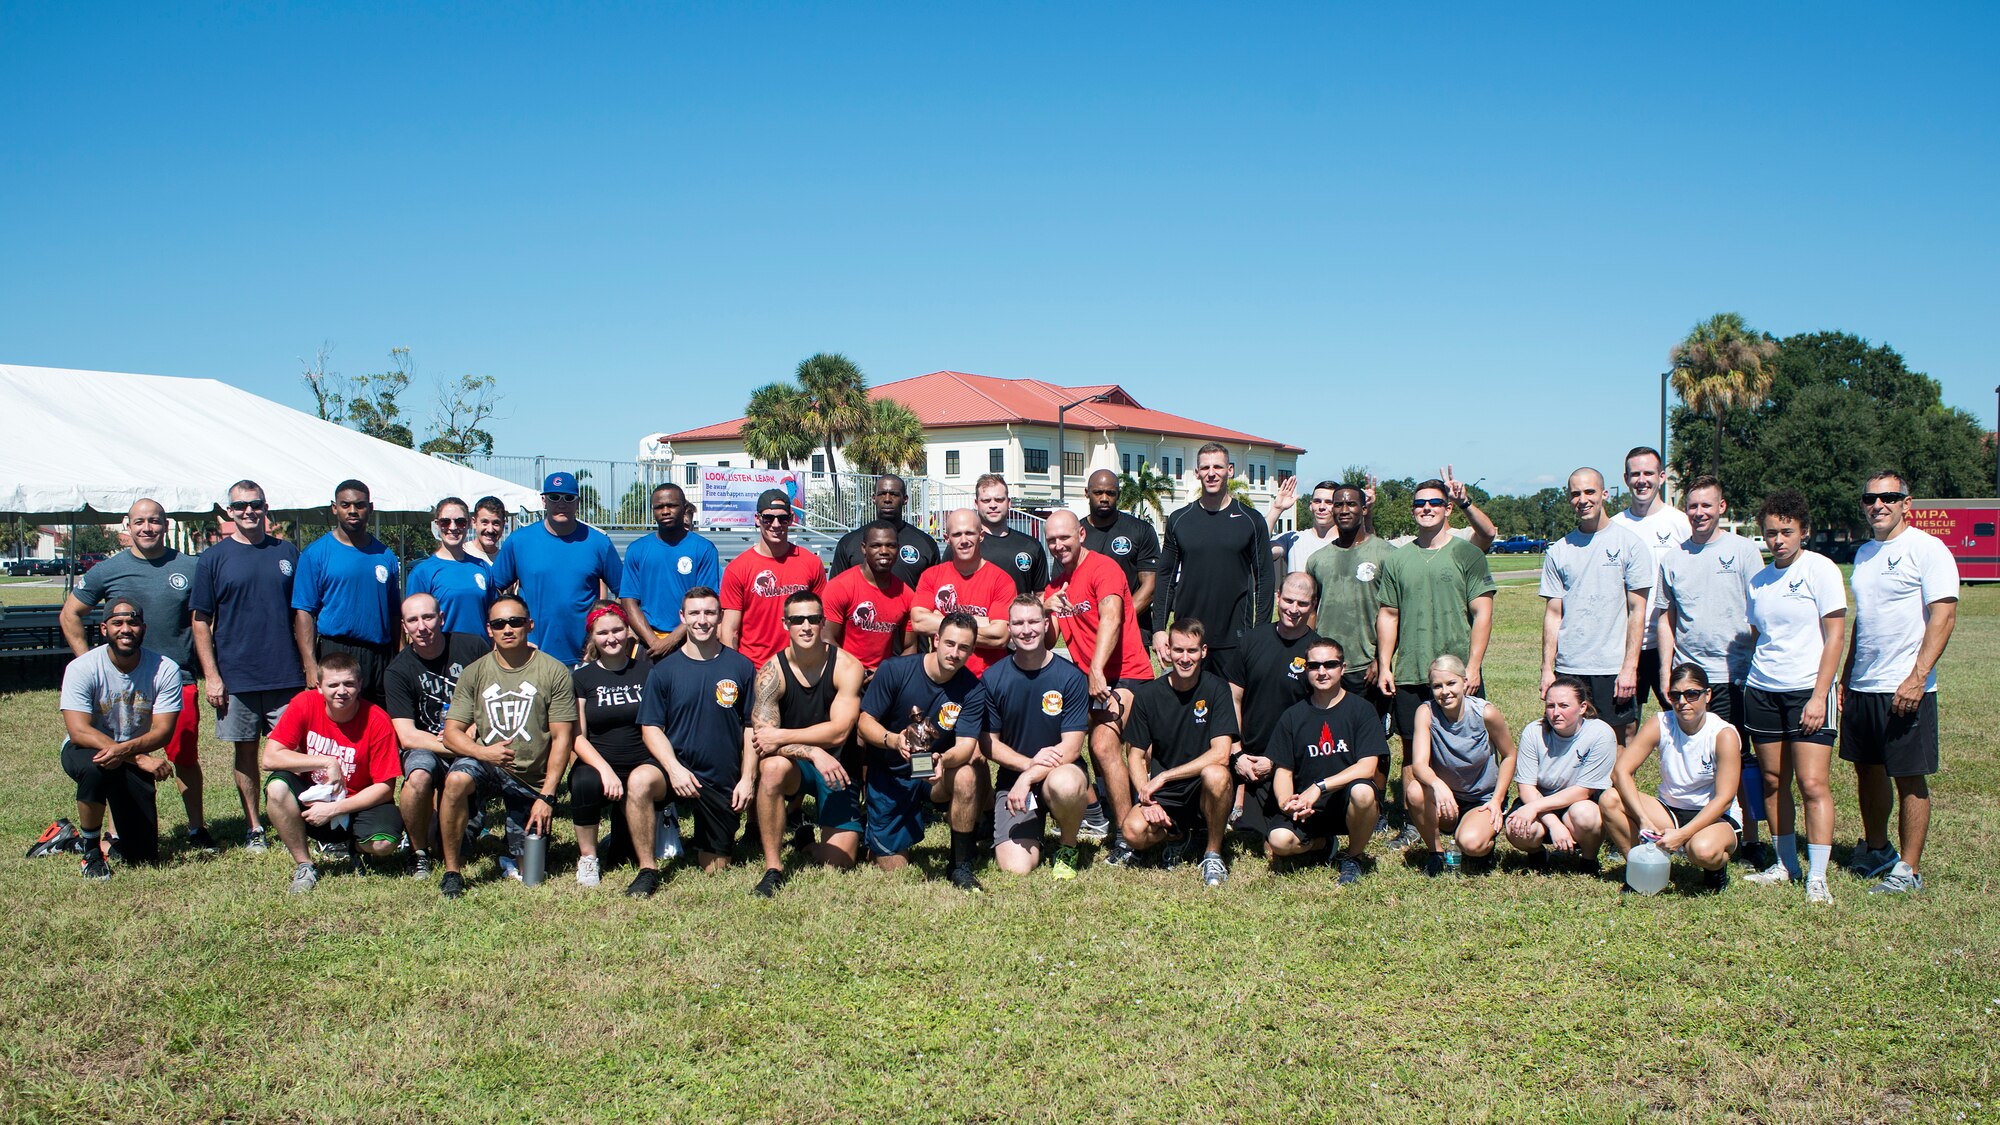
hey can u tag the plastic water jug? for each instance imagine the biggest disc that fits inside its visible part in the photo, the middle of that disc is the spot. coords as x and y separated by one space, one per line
1646 868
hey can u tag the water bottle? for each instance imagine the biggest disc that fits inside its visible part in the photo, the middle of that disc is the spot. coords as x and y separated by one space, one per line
534 859
1454 862
1646 868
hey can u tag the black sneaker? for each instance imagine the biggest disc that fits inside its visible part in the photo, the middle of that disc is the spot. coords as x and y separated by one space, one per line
767 887
1118 853
1590 867
1350 871
94 866
452 885
961 877
1434 864
1538 861
199 838
644 883
1717 880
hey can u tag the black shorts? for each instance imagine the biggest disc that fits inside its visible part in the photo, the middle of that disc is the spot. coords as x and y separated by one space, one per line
1328 818
715 822
1409 697
1725 702
1649 679
1685 817
1773 716
1225 662
1183 805
1871 734
371 662
377 822
1604 696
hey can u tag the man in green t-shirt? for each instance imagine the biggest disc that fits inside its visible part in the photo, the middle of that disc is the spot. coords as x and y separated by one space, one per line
512 719
1348 571
1436 597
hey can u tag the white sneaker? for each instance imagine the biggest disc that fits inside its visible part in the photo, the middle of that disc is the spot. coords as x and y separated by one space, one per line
1817 892
667 838
511 868
586 871
1773 876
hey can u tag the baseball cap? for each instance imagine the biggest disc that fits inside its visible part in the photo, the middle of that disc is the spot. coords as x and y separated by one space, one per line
561 484
774 498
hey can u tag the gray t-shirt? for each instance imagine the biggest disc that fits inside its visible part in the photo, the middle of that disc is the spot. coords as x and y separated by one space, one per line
1552 763
1462 752
162 587
1706 586
1590 574
121 705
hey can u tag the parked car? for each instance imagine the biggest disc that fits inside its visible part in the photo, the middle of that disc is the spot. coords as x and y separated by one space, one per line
1519 545
21 568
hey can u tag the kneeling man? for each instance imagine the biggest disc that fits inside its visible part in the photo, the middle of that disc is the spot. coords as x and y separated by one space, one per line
1329 759
1036 718
333 762
921 720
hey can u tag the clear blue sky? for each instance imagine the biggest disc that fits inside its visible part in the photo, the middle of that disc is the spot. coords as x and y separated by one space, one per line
1394 235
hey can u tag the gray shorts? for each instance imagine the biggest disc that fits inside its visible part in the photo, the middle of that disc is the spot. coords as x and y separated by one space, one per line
518 797
418 760
1025 828
250 715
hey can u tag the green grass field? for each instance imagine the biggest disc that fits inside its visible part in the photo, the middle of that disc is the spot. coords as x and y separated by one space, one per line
202 991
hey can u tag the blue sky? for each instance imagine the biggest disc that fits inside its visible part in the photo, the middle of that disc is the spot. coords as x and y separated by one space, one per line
1396 235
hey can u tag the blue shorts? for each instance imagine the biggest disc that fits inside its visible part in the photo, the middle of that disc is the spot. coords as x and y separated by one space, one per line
894 825
839 809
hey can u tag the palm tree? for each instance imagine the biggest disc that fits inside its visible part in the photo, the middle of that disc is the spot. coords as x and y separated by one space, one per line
836 404
1145 489
1720 367
774 426
890 440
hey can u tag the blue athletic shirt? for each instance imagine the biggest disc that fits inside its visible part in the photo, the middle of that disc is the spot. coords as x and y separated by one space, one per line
559 578
703 706
1031 711
958 706
352 592
464 591
246 591
658 573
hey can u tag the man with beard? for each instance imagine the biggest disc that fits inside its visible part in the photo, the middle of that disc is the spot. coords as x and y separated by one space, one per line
808 698
1126 540
661 568
119 704
347 594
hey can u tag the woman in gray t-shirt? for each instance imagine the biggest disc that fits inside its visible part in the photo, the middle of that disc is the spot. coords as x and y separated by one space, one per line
1463 759
1564 763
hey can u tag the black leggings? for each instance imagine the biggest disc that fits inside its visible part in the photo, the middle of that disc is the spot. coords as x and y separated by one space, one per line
128 791
586 790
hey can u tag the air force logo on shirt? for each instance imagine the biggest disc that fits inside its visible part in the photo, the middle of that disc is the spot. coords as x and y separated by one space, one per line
1122 545
1298 665
684 564
1201 710
1611 555
285 567
180 581
908 554
725 692
1728 564
1663 537
1052 703
381 575
1024 561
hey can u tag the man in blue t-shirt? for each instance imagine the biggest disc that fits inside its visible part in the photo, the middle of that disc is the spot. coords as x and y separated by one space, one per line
348 595
925 704
695 719
661 568
1037 711
562 565
242 605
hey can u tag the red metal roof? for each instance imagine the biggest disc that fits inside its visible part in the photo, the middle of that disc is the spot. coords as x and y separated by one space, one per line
943 399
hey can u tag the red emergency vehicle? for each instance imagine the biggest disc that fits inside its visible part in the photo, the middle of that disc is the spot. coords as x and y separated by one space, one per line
1971 528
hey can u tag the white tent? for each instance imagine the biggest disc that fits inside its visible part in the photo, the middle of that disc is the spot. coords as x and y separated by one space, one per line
81 442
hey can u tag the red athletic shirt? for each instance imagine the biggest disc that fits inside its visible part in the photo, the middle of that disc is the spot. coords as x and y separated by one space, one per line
365 744
868 617
1095 578
986 594
758 585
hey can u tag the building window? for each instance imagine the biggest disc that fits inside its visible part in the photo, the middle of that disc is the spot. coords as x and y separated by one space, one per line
819 462
693 473
1035 461
1180 468
722 464
951 462
1072 464
1126 460
996 460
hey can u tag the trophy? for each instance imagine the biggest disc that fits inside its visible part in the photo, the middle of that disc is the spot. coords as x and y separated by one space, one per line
919 738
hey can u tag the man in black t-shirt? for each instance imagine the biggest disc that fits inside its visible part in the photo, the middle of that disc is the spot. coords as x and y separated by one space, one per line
916 550
418 687
1215 564
1272 677
695 720
1180 731
1329 758
1019 554
1126 540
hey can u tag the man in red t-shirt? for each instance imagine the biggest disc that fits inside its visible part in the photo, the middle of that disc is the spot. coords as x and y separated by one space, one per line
966 583
1092 604
756 583
334 761
867 606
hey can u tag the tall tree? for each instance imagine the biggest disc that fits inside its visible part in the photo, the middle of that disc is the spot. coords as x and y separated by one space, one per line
1143 489
774 426
890 440
329 388
372 407
1721 366
836 405
459 418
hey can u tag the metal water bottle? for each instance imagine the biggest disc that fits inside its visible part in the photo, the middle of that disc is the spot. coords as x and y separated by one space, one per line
534 859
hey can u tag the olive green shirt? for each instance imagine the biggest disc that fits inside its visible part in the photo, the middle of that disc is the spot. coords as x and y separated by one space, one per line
1432 593
1349 582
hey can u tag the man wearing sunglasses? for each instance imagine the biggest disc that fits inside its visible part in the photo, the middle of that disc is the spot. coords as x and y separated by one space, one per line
347 596
915 552
756 583
661 568
1661 527
808 698
1329 760
250 668
1905 605
562 565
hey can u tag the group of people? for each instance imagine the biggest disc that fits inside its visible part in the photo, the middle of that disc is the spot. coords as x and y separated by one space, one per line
1150 692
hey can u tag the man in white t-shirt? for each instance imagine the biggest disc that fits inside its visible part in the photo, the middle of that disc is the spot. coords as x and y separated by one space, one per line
1905 604
120 702
1661 527
1596 581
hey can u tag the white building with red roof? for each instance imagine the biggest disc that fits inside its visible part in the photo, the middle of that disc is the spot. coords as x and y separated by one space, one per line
977 424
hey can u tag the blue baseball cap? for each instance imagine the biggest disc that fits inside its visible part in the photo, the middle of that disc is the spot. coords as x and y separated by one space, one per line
560 484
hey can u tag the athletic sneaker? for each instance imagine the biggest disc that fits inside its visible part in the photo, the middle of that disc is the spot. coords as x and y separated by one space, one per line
199 838
1408 838
1096 826
256 841
1062 864
1775 875
1382 826
1174 852
644 883
1758 856
1434 865
1118 853
304 878
667 837
586 871
420 866
1213 872
452 885
1817 892
510 867
961 876
1869 862
1901 880
1591 866
767 887
94 866
1716 880
1350 870
336 851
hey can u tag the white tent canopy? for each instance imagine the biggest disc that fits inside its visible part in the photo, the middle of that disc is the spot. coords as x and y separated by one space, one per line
79 442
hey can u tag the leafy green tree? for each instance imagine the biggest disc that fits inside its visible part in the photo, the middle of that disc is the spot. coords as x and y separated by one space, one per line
458 420
1719 367
371 403
774 425
1145 488
92 538
890 440
836 405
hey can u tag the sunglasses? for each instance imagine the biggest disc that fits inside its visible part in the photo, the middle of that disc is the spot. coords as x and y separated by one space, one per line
247 505
1687 695
804 618
774 518
508 623
1324 665
448 524
1432 502
1868 498
559 497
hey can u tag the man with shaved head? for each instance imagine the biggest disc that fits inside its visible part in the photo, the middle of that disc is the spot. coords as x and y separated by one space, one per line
1124 539
159 580
420 683
965 583
1597 580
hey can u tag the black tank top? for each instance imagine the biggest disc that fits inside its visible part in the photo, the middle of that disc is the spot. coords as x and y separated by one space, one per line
802 706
